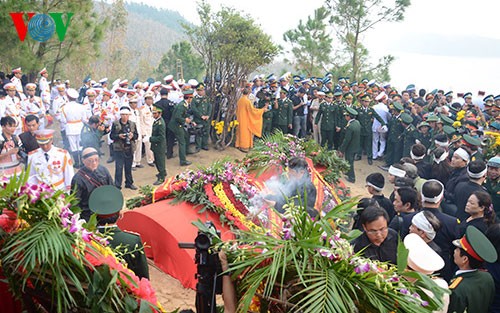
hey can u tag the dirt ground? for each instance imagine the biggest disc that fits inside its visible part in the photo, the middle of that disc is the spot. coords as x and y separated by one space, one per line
170 292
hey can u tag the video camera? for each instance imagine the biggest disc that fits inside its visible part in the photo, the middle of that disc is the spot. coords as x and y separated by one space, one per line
208 270
194 130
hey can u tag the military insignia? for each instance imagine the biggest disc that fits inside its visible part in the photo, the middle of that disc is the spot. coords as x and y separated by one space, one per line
455 282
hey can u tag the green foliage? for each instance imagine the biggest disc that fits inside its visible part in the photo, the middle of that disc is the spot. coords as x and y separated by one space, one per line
192 63
146 197
232 46
312 268
170 19
311 44
351 20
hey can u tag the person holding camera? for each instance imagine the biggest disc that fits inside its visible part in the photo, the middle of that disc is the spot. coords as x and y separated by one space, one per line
28 137
10 160
202 113
180 117
124 134
92 133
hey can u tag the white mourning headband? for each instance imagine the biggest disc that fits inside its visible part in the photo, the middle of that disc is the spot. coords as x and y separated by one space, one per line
477 175
463 154
435 199
421 222
396 172
414 157
442 144
442 157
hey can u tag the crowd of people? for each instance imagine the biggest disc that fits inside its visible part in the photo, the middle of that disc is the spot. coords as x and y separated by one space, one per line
431 144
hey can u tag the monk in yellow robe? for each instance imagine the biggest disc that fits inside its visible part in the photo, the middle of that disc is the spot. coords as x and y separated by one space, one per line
249 122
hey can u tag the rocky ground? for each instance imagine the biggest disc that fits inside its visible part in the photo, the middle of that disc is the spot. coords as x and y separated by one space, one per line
170 292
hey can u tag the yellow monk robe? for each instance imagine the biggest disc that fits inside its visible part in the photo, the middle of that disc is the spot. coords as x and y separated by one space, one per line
249 123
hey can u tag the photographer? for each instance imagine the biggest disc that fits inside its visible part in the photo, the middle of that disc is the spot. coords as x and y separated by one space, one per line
124 134
10 163
28 137
92 133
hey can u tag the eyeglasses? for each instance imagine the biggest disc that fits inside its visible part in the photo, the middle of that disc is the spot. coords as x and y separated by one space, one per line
376 231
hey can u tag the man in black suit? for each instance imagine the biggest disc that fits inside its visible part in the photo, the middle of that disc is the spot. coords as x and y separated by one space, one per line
28 137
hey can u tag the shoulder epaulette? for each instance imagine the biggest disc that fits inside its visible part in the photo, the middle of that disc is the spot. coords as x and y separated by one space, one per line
455 282
131 232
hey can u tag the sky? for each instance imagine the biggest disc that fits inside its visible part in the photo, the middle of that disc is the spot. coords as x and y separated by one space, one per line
445 44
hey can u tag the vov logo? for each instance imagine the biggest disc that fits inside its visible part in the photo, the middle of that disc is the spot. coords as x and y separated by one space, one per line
41 27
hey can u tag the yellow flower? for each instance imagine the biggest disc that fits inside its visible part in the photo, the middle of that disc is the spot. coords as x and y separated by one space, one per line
457 124
460 115
219 192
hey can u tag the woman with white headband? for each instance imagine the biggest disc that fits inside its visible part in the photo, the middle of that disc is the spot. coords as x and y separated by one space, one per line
440 167
476 171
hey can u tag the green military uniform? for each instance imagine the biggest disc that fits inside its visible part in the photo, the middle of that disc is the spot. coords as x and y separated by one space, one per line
176 125
350 145
326 114
365 118
283 115
267 117
107 202
394 150
159 144
409 134
493 186
424 138
473 290
200 106
340 122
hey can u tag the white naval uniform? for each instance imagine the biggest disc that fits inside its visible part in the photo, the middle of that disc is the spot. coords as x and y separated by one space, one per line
44 92
36 107
136 118
19 86
146 122
13 108
56 172
73 114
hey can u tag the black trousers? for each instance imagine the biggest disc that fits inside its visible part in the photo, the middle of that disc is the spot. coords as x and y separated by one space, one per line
170 136
123 161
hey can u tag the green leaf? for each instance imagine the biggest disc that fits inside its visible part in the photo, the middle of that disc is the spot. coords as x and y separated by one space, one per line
402 257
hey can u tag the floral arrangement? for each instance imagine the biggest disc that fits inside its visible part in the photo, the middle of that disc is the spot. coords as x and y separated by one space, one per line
311 267
278 148
219 126
52 260
493 144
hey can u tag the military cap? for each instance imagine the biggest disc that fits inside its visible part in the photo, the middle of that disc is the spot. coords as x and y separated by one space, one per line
192 82
471 141
337 93
133 99
449 94
365 80
103 80
137 84
456 137
43 136
341 79
421 257
449 131
406 118
150 80
424 123
181 82
467 95
188 92
134 81
9 86
200 86
106 200
398 106
283 90
43 71
411 87
354 83
496 98
72 93
86 79
156 109
17 70
371 83
494 162
446 120
477 245
90 92
329 94
432 118
350 111
488 98
321 93
348 95
306 81
429 96
470 124
495 125
365 97
107 93
328 74
386 85
455 106
30 86
297 78
326 80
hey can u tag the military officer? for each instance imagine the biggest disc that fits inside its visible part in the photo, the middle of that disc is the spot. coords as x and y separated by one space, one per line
394 150
176 125
34 105
350 145
16 80
472 290
424 136
492 183
158 144
73 115
340 121
326 115
106 202
202 113
44 86
283 112
50 165
409 133
146 121
268 116
12 107
366 116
